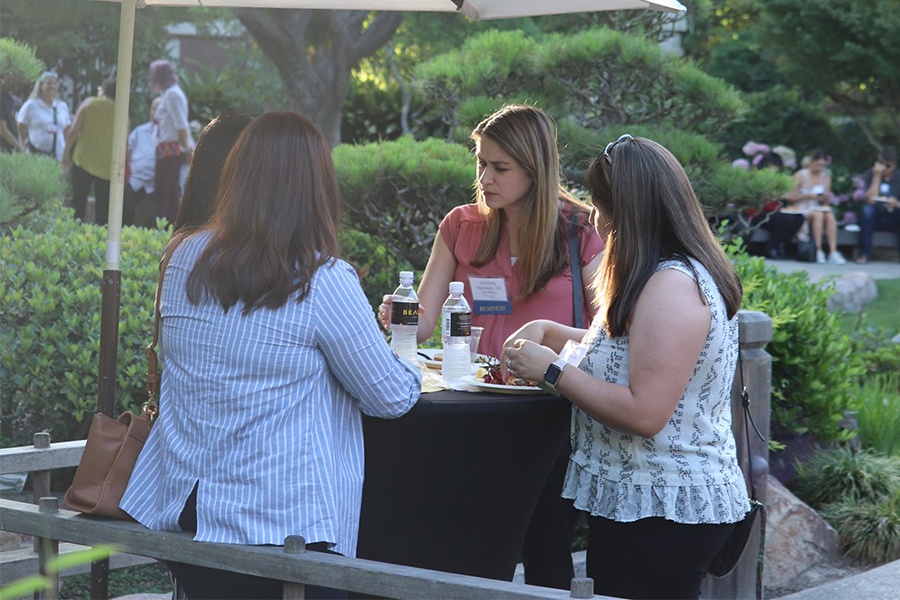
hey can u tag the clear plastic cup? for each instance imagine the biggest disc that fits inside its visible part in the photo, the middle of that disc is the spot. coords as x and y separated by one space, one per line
473 341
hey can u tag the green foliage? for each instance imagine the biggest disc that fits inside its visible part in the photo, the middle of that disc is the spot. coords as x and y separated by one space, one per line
844 48
138 580
29 184
869 531
877 407
814 368
398 191
50 305
18 65
55 564
377 268
842 474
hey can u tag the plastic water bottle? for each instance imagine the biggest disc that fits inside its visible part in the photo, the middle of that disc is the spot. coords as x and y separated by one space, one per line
456 328
405 318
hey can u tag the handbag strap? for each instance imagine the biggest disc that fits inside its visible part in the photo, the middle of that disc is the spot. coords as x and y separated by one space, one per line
748 421
150 410
575 267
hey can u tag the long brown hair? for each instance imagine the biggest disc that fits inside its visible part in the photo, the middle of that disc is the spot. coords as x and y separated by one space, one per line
276 216
528 135
654 215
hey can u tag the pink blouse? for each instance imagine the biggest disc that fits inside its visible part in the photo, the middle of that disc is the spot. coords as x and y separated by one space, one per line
462 230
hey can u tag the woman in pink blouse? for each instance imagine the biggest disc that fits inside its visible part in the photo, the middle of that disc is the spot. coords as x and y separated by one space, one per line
511 249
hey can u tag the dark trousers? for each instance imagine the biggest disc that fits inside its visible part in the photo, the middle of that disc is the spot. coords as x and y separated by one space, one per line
167 187
876 217
782 228
81 188
203 583
651 558
547 549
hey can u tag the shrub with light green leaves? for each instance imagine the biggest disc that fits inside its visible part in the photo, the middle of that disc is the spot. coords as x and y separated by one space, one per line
50 304
814 368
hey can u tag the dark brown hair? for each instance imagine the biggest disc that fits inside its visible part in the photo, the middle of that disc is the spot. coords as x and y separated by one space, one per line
654 215
276 217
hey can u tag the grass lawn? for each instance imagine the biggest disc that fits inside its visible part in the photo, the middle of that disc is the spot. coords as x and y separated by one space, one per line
881 314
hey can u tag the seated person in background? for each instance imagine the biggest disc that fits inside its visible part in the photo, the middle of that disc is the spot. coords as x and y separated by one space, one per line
141 161
781 223
880 210
811 197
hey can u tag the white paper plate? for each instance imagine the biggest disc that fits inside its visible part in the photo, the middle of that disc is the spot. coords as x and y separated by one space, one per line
520 390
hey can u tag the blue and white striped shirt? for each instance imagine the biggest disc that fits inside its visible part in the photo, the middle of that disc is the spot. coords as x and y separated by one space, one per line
263 412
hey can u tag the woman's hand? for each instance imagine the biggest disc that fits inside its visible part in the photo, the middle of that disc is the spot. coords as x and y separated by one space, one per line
525 359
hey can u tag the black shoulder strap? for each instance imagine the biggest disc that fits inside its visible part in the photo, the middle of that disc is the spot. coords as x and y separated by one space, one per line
575 266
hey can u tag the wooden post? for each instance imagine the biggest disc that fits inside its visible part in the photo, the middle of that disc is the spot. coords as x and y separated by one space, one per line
48 549
582 587
294 544
756 332
40 480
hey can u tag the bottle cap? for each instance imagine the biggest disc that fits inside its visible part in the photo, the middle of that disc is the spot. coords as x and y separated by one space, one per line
406 276
457 287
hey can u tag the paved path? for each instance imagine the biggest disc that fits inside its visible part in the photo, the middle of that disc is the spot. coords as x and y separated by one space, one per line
877 269
881 583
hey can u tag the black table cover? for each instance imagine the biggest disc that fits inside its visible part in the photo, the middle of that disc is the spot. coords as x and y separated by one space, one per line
452 484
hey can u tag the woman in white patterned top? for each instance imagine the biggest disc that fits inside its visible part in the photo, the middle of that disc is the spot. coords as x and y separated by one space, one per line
654 460
270 355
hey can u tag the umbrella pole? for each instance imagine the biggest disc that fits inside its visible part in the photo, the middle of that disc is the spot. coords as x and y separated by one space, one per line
110 287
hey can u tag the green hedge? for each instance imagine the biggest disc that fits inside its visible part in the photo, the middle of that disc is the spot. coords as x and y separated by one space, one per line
30 186
50 302
815 371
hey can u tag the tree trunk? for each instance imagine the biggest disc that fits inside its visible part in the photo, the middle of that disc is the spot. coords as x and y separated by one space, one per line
315 52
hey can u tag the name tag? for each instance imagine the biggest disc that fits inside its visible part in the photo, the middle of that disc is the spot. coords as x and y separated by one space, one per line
884 189
52 128
489 296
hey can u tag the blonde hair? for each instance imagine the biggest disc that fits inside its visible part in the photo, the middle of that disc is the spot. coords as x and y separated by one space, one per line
528 135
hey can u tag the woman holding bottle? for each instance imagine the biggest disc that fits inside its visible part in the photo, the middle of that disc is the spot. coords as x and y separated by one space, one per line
511 249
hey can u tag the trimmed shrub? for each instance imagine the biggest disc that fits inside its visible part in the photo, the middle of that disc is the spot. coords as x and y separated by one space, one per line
50 304
29 185
399 191
814 368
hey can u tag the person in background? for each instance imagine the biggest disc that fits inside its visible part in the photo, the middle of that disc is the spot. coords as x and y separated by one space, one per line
174 144
9 130
782 223
270 357
43 121
515 238
654 460
213 145
880 212
90 151
812 196
141 161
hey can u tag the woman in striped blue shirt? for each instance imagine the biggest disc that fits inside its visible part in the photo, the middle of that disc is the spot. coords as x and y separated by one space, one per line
271 353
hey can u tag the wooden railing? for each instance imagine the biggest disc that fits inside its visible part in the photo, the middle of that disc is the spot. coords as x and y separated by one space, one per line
297 567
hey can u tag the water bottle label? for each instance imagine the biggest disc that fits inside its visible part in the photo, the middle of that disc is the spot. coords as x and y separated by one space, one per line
460 324
405 313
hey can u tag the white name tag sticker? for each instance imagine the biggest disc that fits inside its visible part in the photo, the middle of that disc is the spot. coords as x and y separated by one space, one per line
884 189
489 296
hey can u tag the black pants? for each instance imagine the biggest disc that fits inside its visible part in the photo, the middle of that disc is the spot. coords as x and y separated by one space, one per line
547 549
204 583
81 188
651 558
782 228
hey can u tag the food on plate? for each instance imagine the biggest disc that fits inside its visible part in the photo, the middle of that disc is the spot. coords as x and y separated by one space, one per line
489 372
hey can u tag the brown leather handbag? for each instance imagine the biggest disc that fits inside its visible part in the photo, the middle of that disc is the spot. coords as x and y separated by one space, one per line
113 445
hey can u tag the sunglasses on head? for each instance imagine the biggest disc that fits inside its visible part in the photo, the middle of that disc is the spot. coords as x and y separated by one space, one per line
611 145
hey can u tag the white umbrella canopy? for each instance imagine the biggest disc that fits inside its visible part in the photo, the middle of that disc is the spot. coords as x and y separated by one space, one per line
474 9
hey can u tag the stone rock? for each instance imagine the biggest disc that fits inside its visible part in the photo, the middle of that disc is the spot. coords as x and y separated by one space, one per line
896 339
12 541
797 538
853 292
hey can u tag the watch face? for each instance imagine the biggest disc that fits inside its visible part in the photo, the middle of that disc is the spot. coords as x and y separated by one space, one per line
552 374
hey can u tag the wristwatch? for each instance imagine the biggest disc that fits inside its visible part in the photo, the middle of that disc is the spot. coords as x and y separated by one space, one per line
554 372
